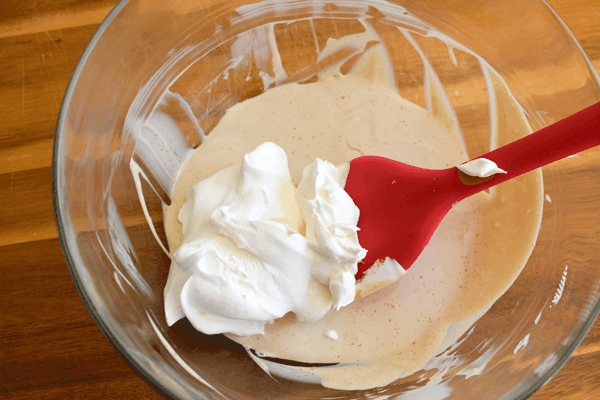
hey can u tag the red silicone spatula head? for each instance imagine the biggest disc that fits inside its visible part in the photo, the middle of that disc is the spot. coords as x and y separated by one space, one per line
401 205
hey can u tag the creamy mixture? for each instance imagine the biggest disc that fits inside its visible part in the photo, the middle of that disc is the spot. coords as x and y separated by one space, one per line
474 256
256 248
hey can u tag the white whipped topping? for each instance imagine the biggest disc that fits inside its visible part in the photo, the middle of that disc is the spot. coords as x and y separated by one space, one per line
379 275
330 334
331 219
480 167
245 259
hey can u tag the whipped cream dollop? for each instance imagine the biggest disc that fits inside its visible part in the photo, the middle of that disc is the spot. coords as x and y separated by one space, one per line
256 248
382 273
480 167
331 334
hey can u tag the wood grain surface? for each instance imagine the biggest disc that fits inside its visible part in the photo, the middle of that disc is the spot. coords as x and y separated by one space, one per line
50 346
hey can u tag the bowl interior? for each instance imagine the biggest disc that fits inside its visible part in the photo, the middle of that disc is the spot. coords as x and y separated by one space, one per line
186 62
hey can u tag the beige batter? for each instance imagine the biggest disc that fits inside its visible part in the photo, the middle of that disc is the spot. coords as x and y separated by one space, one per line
475 255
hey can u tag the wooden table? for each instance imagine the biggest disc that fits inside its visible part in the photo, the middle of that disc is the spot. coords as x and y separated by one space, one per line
51 348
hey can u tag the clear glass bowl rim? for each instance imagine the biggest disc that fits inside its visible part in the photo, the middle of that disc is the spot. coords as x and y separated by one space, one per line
64 225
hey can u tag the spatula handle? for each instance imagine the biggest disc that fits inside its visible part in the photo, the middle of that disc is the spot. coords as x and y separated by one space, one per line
566 137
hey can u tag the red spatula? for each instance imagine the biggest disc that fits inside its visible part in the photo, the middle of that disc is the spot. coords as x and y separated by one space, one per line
401 205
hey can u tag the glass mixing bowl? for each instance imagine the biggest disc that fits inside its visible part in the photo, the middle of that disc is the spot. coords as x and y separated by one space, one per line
157 76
